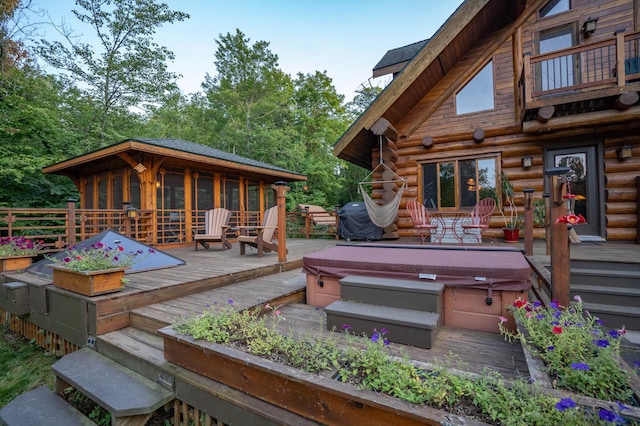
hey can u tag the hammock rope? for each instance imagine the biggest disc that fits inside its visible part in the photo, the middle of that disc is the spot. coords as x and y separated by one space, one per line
382 216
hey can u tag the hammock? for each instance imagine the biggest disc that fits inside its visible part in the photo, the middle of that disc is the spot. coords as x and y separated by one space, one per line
383 216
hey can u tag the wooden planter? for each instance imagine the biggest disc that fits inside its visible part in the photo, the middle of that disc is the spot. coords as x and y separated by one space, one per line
14 263
316 397
538 372
89 283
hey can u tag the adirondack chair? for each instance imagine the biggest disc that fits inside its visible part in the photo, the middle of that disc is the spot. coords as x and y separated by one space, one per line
478 221
265 234
421 219
216 222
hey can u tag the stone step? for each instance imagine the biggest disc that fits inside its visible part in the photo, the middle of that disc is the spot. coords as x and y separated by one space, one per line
41 407
604 265
606 295
405 326
418 295
127 395
615 316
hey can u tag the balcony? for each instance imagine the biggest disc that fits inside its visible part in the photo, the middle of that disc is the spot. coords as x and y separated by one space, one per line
583 78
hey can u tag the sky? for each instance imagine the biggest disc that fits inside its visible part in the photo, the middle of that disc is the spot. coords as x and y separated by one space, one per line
345 38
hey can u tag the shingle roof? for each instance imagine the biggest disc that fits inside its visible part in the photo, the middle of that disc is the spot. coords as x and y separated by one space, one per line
400 54
207 151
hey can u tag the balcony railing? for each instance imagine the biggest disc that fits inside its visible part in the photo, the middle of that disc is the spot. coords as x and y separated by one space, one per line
606 64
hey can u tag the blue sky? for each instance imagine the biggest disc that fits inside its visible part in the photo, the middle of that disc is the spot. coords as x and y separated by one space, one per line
345 38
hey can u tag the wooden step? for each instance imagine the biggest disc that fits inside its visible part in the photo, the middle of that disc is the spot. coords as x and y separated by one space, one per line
418 295
41 407
127 395
604 265
621 296
615 316
405 326
608 277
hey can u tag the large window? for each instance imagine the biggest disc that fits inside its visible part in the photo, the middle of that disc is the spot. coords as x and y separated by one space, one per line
458 184
477 94
554 7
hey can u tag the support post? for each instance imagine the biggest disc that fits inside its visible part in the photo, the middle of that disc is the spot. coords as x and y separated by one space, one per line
71 222
560 248
126 205
528 221
281 189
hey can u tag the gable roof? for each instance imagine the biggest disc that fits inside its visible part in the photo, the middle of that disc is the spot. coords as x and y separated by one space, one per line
472 20
395 59
176 149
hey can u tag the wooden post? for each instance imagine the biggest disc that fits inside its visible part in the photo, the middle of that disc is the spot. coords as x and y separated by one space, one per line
71 221
560 248
281 189
528 221
126 205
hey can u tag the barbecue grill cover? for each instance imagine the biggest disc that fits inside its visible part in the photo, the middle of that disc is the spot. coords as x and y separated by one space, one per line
355 223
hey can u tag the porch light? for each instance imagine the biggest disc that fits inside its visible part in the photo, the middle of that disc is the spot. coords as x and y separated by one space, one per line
589 26
132 212
624 152
527 160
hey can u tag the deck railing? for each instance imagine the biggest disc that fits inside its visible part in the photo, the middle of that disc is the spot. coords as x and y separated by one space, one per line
603 64
58 228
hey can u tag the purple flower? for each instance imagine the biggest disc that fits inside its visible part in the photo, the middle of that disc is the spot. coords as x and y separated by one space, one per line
554 305
384 331
636 364
539 316
230 301
614 334
599 321
565 403
375 337
603 343
557 314
386 342
346 327
555 323
550 348
537 304
610 416
580 366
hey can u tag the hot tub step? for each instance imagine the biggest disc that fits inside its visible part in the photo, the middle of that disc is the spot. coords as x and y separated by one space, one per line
405 326
418 295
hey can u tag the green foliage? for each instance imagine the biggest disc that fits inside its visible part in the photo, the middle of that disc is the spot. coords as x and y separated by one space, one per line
579 355
23 366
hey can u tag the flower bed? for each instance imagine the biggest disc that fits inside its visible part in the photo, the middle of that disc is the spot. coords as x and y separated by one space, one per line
570 354
243 350
16 252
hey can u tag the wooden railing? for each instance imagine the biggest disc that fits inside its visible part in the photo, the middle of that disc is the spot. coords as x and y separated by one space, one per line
603 64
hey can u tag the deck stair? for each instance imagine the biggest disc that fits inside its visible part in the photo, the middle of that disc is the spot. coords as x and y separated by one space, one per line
609 290
41 407
130 397
409 310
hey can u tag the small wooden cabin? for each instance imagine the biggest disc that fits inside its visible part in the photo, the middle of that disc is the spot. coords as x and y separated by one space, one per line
513 86
171 183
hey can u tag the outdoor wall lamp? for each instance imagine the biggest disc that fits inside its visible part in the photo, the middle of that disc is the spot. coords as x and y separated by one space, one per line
132 212
624 152
589 26
527 160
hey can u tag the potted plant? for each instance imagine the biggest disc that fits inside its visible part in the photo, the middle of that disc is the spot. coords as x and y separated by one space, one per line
16 252
512 220
93 270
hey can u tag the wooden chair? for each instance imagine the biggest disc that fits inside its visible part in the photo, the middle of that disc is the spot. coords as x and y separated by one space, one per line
216 223
421 219
478 221
265 234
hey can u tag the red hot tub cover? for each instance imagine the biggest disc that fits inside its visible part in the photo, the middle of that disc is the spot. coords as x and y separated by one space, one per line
483 267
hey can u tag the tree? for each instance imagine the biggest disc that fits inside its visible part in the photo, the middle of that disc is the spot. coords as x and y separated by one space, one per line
130 70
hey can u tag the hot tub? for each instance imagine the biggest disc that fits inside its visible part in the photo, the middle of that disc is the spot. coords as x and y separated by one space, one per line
480 282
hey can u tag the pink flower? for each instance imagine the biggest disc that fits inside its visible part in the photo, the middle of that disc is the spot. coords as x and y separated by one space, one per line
502 319
557 330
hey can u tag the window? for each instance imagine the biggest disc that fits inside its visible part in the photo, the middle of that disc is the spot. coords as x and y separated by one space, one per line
458 184
554 7
559 72
477 94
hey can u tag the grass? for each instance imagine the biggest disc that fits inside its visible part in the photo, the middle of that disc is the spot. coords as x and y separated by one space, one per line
23 366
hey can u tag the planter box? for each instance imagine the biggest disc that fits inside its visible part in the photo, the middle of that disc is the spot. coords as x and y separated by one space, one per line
319 398
89 283
538 372
14 263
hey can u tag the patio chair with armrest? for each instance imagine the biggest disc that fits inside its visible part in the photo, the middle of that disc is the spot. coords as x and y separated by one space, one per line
478 221
216 223
263 241
422 221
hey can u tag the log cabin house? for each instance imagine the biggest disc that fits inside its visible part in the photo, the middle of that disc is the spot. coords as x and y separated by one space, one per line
171 183
514 87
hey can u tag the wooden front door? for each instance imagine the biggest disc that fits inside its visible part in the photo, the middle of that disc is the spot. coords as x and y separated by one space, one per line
584 181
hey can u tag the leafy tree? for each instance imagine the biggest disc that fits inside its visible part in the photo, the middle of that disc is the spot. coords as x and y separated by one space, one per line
130 69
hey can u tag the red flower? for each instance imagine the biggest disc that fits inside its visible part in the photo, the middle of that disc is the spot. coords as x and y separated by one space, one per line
519 303
120 248
557 330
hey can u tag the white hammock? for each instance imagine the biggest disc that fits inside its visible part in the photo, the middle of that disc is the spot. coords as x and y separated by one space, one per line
383 216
